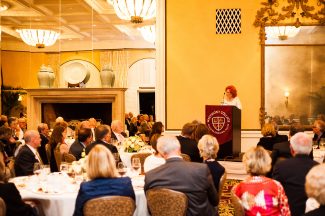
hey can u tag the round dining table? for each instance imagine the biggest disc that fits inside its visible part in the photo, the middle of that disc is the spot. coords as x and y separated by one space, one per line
61 201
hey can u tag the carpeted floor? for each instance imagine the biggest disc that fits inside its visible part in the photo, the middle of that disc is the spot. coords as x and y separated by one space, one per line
225 205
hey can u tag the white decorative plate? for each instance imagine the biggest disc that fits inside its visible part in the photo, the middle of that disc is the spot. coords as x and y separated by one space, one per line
75 73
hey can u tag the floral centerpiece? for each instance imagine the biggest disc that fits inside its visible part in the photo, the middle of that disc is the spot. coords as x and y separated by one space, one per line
133 144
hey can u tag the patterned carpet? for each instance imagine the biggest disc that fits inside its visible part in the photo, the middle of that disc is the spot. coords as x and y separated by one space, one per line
225 205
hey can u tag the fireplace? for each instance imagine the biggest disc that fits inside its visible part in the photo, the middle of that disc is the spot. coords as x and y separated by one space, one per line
101 103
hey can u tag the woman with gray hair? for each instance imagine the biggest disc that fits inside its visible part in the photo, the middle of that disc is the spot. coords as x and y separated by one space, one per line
258 194
209 147
315 188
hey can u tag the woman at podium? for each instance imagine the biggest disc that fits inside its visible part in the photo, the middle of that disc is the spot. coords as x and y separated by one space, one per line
231 97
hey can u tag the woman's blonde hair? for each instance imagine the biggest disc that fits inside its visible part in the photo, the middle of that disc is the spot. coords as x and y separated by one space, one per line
268 130
315 183
101 163
257 161
208 147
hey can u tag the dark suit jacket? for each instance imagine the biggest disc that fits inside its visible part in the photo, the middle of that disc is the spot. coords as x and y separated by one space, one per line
102 187
217 170
317 212
189 147
280 150
268 142
291 173
24 163
76 149
112 148
14 203
41 150
193 179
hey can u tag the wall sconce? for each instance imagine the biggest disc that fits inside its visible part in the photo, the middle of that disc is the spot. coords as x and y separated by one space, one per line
286 95
20 97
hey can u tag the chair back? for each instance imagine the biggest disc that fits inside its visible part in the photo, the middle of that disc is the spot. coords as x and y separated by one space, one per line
221 184
69 158
186 157
238 208
165 202
110 206
3 208
142 157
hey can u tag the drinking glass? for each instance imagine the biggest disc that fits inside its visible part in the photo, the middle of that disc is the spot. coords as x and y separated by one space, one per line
46 169
116 158
37 168
64 167
322 144
136 165
315 145
121 168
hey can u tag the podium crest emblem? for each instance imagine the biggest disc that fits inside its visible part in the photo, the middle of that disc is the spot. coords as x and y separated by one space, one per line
218 122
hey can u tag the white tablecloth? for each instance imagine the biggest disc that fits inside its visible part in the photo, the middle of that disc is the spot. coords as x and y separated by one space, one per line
63 204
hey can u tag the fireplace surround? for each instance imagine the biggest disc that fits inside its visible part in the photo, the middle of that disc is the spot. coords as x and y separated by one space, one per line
37 97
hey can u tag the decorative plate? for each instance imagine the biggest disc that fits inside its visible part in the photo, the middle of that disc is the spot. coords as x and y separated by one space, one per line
75 73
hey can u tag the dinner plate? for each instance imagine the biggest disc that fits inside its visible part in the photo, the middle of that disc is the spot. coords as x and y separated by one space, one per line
75 73
40 191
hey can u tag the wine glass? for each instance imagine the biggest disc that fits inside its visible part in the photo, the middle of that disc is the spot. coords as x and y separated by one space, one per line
37 168
64 167
136 165
121 168
116 157
322 144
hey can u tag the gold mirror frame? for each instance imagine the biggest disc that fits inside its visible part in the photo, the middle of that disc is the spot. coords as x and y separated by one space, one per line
285 13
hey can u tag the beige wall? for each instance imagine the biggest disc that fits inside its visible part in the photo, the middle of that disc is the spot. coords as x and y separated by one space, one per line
200 63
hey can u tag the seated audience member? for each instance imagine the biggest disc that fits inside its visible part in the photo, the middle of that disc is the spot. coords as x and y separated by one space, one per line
200 131
319 131
291 173
258 194
270 137
282 150
143 131
28 154
193 179
154 160
279 137
133 126
57 146
117 131
11 196
22 123
13 125
60 121
7 142
93 124
157 128
209 147
315 188
104 180
43 130
189 145
3 120
85 137
103 137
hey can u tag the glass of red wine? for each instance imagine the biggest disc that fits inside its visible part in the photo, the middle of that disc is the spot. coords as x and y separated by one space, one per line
121 168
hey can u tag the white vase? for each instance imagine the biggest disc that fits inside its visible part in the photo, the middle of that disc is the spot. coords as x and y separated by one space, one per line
43 77
51 76
107 77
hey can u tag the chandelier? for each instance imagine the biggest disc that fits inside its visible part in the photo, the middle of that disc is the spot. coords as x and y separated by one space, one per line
134 10
38 37
282 32
148 33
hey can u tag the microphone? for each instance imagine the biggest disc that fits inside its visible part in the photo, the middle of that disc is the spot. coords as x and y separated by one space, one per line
223 98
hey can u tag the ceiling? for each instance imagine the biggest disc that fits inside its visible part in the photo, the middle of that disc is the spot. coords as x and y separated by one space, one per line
83 24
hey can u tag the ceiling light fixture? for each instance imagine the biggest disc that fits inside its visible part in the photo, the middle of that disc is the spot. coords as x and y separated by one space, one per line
148 33
282 32
4 6
38 37
134 10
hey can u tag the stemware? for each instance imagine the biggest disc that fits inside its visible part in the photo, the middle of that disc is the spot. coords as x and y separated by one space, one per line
121 168
136 165
37 168
64 167
322 144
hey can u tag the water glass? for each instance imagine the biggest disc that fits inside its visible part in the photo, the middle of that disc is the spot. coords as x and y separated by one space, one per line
37 168
121 168
136 165
322 144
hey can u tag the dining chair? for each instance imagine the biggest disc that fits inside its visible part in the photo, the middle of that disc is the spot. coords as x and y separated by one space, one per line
67 157
3 208
142 157
221 184
238 208
110 206
186 157
166 202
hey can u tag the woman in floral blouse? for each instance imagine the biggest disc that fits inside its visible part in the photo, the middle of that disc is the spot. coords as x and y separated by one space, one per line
258 194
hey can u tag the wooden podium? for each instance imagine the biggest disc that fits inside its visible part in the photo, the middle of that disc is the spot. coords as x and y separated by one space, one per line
224 122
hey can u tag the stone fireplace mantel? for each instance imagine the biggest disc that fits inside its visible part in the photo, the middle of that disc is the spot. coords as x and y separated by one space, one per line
35 98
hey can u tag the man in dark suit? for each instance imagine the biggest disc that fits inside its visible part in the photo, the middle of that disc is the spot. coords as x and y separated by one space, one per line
291 173
43 130
103 137
189 145
28 155
85 137
193 179
319 131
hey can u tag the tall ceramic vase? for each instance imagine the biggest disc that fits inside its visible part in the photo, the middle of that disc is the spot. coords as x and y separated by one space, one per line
43 77
107 76
51 76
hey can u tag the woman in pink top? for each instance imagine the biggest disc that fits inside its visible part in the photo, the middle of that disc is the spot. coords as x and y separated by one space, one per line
258 194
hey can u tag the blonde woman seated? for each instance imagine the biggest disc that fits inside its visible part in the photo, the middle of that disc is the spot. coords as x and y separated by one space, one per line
154 160
209 147
315 189
104 180
258 194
